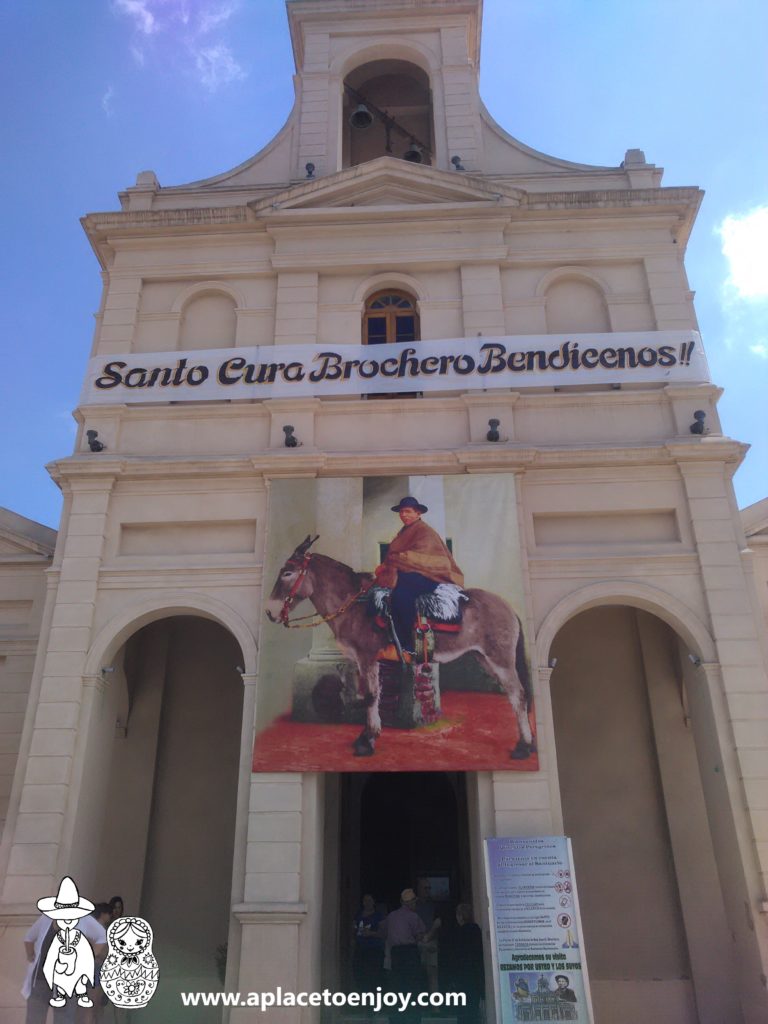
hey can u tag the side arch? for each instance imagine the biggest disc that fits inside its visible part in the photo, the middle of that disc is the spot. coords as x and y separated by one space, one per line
571 272
202 288
120 627
664 606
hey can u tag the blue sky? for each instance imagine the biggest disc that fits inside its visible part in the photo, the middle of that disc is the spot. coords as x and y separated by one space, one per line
97 90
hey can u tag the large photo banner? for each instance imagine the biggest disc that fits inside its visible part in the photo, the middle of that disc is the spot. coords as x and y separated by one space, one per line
465 364
538 957
393 631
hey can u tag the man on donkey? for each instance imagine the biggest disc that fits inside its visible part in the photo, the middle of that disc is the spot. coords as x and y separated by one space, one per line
417 561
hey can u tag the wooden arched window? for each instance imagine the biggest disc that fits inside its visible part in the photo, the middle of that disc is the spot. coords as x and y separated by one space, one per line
390 316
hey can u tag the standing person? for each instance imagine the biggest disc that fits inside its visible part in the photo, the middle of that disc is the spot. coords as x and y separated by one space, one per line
404 929
61 947
470 968
116 907
425 908
417 560
368 961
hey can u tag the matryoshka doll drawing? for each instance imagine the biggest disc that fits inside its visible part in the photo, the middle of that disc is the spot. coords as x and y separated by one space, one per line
129 974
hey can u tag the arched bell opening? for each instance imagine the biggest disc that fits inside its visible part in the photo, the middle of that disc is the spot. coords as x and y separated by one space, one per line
387 111
631 723
169 732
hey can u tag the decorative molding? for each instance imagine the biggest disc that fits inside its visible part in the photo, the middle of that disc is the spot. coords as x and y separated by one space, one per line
270 913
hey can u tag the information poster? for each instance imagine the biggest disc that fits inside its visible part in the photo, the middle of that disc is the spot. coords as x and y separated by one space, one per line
540 971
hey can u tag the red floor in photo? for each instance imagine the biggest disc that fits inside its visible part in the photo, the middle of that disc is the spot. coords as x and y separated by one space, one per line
476 732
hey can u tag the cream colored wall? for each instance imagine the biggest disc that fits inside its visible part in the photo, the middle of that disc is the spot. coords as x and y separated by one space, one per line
615 500
26 550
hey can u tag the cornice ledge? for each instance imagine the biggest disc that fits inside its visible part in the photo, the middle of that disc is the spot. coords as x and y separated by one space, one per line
128 220
289 462
496 458
707 449
673 391
85 468
390 463
82 468
601 456
687 195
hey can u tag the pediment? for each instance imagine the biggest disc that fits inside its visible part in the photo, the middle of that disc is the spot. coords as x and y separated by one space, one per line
755 520
387 182
24 538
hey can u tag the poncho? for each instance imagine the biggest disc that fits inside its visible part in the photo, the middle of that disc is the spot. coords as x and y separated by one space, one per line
419 548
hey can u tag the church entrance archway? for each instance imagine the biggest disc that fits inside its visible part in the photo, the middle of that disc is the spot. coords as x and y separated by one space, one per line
397 829
168 830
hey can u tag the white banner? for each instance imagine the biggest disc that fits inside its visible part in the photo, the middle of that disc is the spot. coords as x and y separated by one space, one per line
464 364
540 969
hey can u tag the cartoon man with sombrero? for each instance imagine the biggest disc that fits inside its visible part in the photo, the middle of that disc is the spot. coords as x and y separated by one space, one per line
417 560
69 964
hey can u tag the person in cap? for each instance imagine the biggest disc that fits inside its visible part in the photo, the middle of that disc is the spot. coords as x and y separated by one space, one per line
404 930
60 955
417 560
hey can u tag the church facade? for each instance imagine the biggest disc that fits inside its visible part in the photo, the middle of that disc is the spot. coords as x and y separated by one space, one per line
392 210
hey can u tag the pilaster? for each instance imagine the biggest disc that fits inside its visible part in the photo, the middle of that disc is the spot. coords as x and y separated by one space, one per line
52 774
668 289
481 298
719 544
296 308
117 322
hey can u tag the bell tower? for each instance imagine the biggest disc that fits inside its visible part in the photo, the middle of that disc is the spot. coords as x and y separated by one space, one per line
386 78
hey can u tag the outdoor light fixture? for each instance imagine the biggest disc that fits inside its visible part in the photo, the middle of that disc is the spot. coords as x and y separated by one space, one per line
290 440
698 427
93 441
553 662
361 117
694 659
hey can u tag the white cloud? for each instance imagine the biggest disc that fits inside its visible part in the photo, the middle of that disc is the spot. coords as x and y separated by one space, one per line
106 101
744 295
216 66
189 32
139 10
745 246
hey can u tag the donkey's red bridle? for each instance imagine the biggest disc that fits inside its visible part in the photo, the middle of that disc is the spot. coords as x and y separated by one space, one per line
290 600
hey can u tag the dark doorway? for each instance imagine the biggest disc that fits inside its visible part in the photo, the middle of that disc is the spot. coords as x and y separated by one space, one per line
395 828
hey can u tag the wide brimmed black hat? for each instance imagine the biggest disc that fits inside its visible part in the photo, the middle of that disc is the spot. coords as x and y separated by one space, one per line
409 502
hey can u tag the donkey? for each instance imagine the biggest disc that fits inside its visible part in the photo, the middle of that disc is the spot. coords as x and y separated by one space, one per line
490 628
